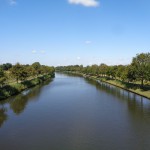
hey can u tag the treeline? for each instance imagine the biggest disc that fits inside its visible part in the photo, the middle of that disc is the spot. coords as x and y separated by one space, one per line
19 73
137 71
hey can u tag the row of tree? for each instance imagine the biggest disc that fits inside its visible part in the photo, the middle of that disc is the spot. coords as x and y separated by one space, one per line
19 72
138 70
6 66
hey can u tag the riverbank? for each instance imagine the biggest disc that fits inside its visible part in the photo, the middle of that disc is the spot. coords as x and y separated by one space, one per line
134 88
16 88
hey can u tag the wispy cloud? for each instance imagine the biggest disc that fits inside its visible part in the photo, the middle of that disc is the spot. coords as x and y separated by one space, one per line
87 3
43 51
78 58
34 51
12 2
88 42
39 52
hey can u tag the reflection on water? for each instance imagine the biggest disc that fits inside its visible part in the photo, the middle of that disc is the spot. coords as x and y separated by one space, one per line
3 115
73 113
136 104
19 103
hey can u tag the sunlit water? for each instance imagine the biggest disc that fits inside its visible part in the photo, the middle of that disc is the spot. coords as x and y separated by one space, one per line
71 113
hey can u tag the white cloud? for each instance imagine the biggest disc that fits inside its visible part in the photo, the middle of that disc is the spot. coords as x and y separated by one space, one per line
87 3
12 2
42 51
88 42
78 58
34 51
38 52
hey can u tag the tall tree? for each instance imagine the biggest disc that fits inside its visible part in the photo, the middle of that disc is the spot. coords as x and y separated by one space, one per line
19 72
37 67
103 69
141 63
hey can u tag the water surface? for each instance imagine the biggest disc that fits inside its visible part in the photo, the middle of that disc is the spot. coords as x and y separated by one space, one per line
71 113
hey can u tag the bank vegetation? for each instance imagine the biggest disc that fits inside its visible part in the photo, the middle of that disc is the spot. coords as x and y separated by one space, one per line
134 77
18 77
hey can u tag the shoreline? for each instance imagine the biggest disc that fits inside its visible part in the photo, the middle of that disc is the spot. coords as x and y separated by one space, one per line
12 90
114 84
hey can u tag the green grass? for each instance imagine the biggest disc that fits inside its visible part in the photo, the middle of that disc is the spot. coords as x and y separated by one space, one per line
136 88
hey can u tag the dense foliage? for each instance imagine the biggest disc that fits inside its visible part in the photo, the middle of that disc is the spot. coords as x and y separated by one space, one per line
138 70
18 73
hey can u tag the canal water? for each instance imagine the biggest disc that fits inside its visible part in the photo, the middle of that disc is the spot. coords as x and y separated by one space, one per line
73 113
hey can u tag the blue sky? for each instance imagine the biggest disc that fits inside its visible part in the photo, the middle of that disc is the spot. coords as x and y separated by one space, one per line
65 32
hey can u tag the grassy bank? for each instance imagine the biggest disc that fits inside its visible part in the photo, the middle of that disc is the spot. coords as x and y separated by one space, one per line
16 88
134 88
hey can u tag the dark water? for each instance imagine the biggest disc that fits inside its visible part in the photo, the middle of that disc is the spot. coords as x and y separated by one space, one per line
71 113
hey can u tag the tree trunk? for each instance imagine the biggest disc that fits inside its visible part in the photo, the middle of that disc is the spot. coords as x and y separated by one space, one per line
142 82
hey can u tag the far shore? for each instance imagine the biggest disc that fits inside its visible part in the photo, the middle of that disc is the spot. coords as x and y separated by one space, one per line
133 88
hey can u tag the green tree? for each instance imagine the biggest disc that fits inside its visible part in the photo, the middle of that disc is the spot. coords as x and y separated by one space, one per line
2 77
103 69
94 69
148 72
141 64
37 67
111 71
131 73
19 72
120 71
31 71
6 66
